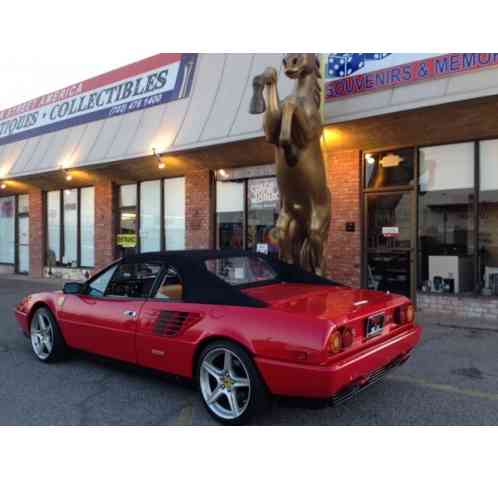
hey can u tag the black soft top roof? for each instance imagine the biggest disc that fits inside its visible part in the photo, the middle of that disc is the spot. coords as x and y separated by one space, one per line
202 286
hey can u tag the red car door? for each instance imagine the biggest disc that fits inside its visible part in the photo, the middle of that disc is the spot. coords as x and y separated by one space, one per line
104 318
166 335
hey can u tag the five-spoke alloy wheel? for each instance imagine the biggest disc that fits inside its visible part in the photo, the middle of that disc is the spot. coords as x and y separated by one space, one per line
230 385
46 340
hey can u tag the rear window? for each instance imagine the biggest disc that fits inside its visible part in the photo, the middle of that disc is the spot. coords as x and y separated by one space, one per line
239 271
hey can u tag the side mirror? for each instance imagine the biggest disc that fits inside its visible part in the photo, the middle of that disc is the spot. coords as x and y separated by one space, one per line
73 288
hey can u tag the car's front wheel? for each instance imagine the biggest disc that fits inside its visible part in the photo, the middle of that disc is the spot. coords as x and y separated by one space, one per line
229 382
46 339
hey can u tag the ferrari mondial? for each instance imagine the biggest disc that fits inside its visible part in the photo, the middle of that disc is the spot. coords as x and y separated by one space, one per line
241 325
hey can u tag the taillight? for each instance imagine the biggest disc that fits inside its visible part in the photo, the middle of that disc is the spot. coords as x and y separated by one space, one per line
340 339
410 314
404 314
347 338
335 342
399 315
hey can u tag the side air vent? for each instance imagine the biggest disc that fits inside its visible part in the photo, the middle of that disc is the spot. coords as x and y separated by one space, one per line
171 323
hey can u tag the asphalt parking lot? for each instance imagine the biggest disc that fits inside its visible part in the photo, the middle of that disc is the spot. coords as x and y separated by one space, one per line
452 379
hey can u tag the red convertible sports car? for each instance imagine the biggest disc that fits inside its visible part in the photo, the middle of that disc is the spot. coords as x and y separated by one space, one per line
243 326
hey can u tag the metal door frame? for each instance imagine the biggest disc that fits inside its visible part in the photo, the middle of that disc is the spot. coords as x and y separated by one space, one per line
409 189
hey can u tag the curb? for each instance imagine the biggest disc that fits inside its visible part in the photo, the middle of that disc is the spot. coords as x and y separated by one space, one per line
463 323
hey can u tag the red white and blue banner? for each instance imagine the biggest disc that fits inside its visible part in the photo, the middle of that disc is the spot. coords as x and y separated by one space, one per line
150 82
349 74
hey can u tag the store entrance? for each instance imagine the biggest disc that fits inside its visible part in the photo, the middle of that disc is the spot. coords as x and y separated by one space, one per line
246 214
23 245
128 232
390 219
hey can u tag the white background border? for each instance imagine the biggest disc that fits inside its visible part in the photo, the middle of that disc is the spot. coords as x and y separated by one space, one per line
49 34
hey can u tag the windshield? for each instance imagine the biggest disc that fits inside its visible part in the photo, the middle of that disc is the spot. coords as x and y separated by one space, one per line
241 271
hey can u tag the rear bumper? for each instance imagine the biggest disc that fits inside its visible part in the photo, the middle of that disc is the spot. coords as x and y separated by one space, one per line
335 380
350 391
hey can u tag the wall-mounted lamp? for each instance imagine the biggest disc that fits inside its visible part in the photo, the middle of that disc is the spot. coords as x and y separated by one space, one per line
160 163
3 186
67 175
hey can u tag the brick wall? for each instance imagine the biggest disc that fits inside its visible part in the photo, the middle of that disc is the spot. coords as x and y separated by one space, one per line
199 208
344 248
105 221
36 232
459 307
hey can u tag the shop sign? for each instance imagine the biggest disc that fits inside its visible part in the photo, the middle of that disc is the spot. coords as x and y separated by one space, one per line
127 240
262 248
391 160
263 193
349 74
390 232
156 80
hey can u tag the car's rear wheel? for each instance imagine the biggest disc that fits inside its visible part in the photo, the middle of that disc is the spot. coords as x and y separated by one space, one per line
229 382
46 339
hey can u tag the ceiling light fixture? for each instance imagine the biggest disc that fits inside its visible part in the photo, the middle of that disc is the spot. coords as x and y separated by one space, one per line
160 164
68 175
3 186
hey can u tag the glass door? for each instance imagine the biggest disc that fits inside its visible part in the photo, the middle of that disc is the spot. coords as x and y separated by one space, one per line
127 238
263 206
23 245
230 214
390 232
22 240
128 232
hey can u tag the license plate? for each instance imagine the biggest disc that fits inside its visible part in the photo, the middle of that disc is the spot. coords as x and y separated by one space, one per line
375 325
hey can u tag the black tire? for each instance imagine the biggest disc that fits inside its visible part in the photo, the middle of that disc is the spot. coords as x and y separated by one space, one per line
59 348
259 397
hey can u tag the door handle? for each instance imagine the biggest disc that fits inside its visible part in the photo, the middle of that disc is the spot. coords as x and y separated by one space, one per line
130 314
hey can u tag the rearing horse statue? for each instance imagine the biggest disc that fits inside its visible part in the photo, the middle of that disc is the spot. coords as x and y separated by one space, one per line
294 126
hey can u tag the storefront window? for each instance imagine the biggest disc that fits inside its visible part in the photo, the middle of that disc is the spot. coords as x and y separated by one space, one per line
7 230
128 227
446 219
389 168
70 256
488 217
23 204
87 198
263 205
247 212
150 214
230 214
128 195
162 222
53 228
174 213
63 208
23 234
